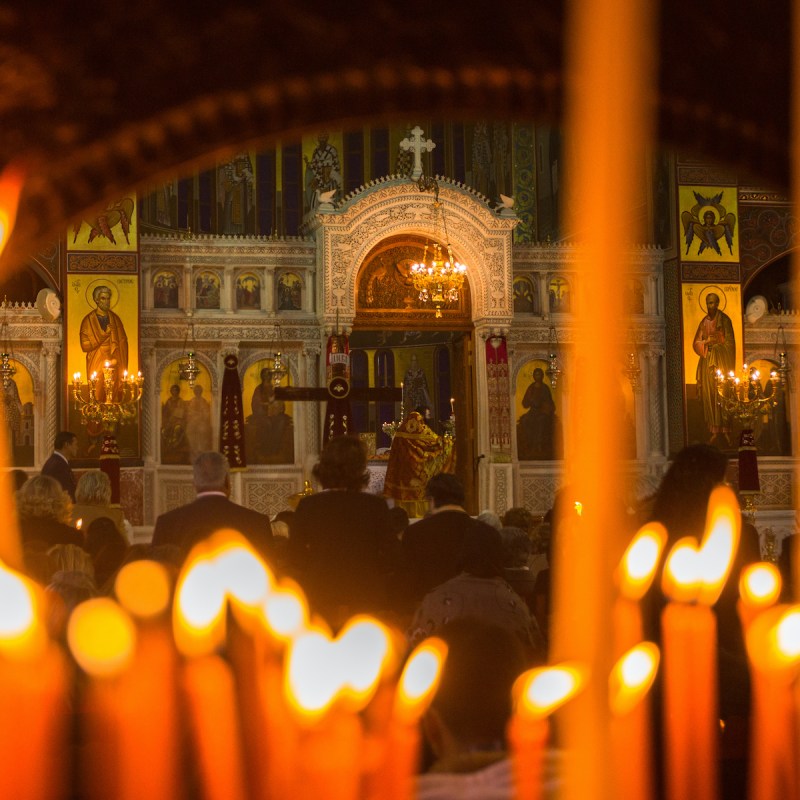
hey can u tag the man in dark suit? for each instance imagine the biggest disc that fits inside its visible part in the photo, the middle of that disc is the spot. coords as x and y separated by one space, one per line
211 510
65 448
433 546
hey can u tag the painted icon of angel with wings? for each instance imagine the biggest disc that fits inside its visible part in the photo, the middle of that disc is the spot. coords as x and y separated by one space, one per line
713 226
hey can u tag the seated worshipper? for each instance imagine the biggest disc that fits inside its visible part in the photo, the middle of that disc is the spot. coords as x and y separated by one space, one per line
416 455
432 546
465 726
45 511
72 583
490 518
211 511
516 555
341 534
479 591
93 500
107 547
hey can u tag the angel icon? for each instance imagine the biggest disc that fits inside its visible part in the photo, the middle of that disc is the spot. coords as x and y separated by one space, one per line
712 228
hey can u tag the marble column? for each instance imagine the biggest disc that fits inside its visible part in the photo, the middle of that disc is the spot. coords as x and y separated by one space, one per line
52 391
655 403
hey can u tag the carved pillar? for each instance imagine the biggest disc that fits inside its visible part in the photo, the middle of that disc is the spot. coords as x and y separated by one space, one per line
268 291
311 353
52 392
655 417
227 293
188 288
149 407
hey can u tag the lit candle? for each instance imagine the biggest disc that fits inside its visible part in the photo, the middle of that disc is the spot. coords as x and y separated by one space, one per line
634 577
537 693
696 574
452 407
773 647
629 683
418 683
759 589
33 706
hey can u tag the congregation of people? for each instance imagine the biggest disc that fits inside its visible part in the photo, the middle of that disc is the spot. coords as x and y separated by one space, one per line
482 583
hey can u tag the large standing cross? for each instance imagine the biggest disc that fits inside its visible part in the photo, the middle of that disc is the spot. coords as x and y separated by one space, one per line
419 146
338 394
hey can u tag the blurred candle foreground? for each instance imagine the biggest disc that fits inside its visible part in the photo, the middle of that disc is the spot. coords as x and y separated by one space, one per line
327 683
773 648
634 576
693 580
416 688
33 708
608 116
629 684
537 693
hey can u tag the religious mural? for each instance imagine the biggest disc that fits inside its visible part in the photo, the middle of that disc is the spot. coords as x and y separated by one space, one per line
186 416
709 223
539 434
248 292
206 290
166 285
712 340
113 229
102 328
323 171
236 195
289 292
526 296
559 295
16 413
269 428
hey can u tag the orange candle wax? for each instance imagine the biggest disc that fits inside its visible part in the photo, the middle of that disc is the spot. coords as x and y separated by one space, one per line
537 694
629 683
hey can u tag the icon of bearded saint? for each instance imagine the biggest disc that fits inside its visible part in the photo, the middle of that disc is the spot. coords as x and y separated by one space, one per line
711 229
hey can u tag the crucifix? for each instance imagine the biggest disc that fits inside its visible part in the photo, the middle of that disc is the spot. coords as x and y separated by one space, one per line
338 394
419 146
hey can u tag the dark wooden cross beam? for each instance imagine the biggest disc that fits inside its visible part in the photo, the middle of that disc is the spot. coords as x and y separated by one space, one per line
338 394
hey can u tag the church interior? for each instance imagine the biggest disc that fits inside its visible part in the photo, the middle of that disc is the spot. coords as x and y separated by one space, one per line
242 188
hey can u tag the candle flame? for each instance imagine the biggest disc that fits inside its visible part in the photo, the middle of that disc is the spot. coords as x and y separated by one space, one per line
420 679
681 579
719 545
101 637
760 585
312 677
365 649
787 634
199 607
143 588
244 575
773 641
10 187
638 565
22 636
539 692
285 612
632 677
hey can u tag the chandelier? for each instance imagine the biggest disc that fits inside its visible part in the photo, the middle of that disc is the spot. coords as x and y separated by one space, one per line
553 370
279 367
743 397
781 357
632 369
438 279
118 407
189 369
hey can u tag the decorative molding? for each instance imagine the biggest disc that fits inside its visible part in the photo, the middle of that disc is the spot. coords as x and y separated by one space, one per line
706 174
730 273
102 262
764 234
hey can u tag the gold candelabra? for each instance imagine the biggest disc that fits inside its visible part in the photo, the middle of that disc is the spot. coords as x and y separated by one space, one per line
742 396
100 401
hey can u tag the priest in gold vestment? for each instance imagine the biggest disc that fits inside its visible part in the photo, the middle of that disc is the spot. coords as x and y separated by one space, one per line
417 454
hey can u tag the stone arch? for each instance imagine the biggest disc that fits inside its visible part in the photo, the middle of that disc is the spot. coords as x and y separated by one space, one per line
479 237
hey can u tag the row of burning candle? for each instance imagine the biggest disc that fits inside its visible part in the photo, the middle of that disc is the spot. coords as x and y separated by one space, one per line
291 711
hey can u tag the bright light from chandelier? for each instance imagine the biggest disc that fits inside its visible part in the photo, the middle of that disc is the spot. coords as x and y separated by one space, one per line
438 280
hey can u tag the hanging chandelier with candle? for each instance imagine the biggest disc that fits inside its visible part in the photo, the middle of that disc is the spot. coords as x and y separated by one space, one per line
742 397
553 370
101 400
438 277
279 367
